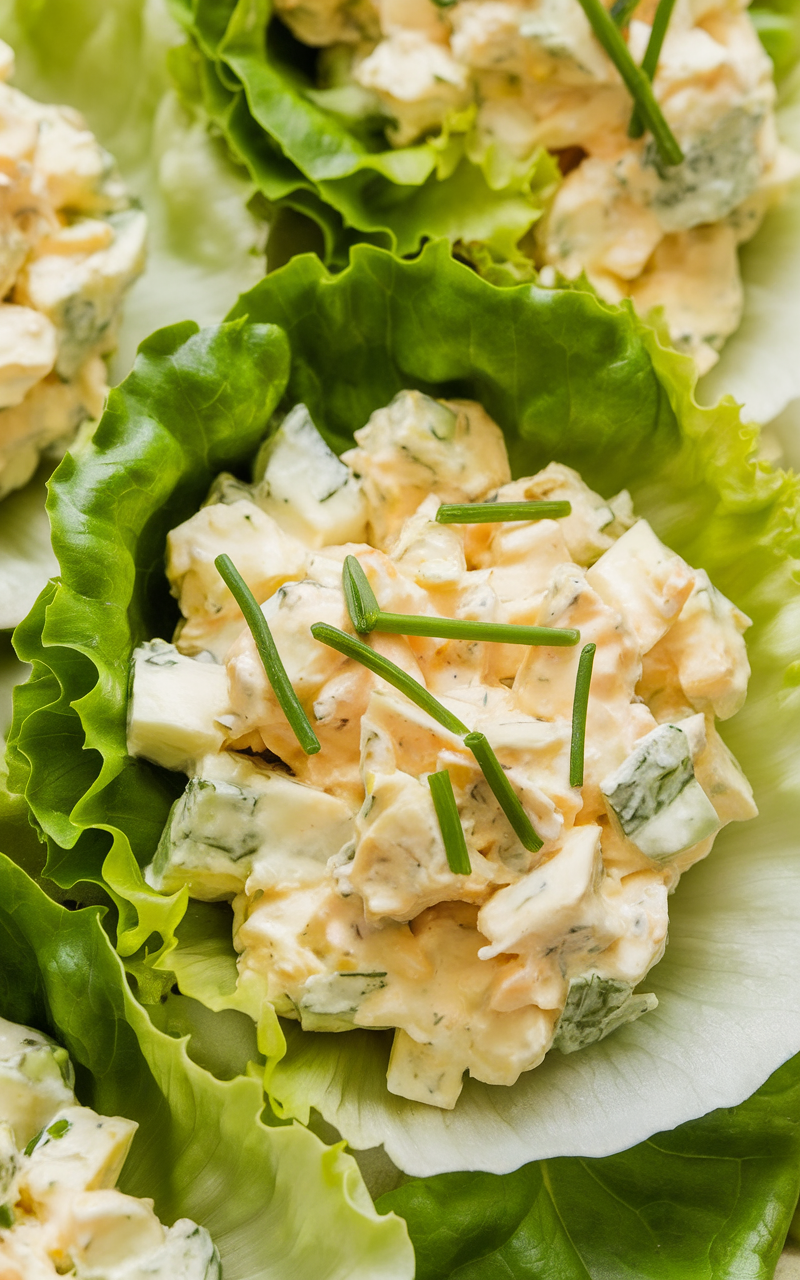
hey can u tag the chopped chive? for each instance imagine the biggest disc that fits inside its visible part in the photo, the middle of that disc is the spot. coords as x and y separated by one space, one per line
268 653
494 512
6 1216
636 81
58 1128
503 791
580 705
406 624
394 675
444 802
359 596
34 1142
650 59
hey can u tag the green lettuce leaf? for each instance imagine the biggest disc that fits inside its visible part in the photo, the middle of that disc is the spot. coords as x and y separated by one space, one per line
567 377
277 1202
258 93
708 1201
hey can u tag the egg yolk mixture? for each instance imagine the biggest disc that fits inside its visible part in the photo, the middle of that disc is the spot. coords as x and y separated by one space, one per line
346 910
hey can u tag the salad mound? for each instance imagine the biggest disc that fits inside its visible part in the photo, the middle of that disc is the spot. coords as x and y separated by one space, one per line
60 1163
351 908
72 247
567 378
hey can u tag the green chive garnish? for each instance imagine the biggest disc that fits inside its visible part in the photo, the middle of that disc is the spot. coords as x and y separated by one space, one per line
380 666
6 1216
268 653
495 512
580 704
652 54
58 1128
444 802
635 79
34 1142
405 624
359 596
502 789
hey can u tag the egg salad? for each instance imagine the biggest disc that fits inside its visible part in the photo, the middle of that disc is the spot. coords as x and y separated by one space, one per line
59 1162
519 75
346 909
70 247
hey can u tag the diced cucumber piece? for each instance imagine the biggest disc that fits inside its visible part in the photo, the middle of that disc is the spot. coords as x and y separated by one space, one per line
595 1007
655 798
174 706
36 1079
239 815
187 1253
305 487
330 1001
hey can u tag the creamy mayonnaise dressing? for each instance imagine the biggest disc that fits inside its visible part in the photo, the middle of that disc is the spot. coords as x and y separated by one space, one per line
346 912
60 1213
534 76
70 247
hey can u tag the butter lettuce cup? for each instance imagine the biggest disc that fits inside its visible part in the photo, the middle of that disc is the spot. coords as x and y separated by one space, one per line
570 381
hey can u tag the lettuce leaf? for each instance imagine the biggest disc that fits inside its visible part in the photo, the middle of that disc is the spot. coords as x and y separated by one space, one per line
708 1201
258 93
567 377
275 1199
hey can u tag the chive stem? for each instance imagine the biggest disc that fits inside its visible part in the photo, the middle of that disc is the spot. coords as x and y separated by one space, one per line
580 705
650 59
503 791
636 81
351 647
444 802
268 653
495 512
359 596
405 624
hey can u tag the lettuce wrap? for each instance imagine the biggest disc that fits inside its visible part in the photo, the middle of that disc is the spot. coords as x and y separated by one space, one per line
255 83
567 378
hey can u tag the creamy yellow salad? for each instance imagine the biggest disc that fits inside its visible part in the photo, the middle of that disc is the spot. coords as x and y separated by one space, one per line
60 1213
535 76
71 245
347 912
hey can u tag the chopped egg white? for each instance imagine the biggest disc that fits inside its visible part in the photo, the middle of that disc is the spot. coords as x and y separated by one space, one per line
346 910
71 245
60 1212
531 74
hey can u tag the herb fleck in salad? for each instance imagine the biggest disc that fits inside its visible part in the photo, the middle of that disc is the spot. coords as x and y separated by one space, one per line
529 921
71 247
